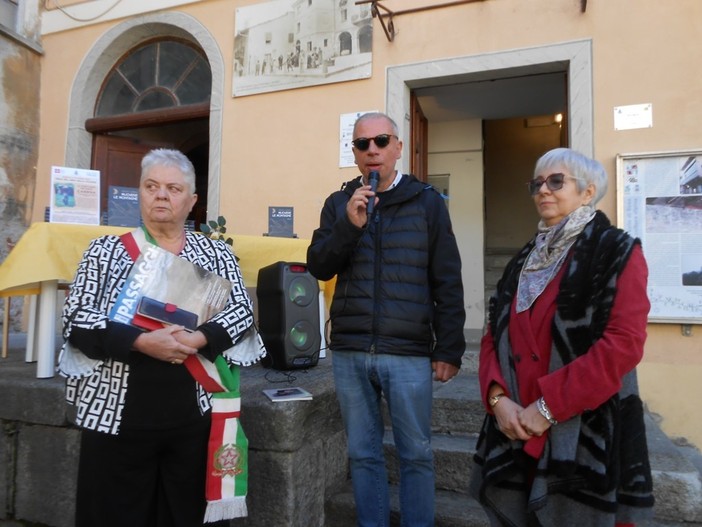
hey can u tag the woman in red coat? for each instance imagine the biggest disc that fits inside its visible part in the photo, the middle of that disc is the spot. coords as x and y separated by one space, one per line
564 436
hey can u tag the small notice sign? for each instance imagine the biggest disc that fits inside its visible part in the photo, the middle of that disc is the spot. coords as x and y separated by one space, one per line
633 116
280 222
123 206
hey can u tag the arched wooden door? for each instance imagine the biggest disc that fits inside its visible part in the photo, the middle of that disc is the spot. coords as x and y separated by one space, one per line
156 95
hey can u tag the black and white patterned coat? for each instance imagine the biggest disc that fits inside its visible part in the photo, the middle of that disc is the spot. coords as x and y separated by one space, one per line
98 386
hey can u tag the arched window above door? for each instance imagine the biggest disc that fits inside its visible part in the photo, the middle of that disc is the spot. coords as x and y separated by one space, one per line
158 75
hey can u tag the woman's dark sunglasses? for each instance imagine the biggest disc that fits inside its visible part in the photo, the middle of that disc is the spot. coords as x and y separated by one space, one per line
553 182
363 143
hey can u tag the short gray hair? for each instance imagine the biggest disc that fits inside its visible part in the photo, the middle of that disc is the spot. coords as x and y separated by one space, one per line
167 157
586 170
376 115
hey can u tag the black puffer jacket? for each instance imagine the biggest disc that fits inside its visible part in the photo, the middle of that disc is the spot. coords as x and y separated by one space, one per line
399 287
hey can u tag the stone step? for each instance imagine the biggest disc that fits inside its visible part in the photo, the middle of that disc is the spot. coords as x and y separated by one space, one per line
677 484
457 407
472 353
492 276
676 480
499 258
453 460
452 509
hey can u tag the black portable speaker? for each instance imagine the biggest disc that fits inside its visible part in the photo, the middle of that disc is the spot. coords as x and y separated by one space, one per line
288 313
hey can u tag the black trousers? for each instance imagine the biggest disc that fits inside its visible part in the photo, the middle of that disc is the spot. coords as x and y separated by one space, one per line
145 478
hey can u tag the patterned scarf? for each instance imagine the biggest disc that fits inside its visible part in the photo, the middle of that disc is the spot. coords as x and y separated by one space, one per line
227 452
545 260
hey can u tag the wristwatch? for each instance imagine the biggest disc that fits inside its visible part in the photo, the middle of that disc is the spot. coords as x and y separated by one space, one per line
492 401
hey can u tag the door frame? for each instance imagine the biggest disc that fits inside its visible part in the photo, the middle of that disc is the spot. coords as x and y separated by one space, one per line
112 45
419 130
574 58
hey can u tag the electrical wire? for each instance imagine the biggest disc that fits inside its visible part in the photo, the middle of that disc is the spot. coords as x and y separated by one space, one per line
77 19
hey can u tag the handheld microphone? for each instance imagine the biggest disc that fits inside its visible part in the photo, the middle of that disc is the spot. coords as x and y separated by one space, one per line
373 177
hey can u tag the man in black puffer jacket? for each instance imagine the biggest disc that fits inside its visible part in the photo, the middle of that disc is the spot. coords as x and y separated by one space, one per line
397 314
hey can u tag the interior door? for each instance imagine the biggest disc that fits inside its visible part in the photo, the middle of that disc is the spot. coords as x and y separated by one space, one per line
419 134
119 161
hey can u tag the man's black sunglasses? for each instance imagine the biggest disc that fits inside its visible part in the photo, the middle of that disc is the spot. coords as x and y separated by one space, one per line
553 182
381 141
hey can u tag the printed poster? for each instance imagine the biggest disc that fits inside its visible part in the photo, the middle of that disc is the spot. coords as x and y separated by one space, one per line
661 204
289 44
75 196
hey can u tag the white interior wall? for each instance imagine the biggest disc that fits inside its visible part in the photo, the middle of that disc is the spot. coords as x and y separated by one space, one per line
455 148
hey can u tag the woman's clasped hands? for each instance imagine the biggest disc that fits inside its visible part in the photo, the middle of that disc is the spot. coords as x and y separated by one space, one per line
171 344
517 422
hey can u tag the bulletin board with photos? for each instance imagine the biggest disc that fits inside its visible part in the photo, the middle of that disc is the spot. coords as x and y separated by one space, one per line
659 201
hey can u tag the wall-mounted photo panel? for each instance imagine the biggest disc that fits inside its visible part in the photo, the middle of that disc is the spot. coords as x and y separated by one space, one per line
286 44
659 200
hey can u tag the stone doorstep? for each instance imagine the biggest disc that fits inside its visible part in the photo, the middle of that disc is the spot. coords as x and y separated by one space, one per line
676 481
452 510
458 414
457 408
453 460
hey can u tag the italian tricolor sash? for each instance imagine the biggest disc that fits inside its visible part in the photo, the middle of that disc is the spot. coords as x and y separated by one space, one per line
227 455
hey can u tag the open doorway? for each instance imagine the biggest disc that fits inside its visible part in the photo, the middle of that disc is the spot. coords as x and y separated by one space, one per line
511 148
485 131
482 164
520 117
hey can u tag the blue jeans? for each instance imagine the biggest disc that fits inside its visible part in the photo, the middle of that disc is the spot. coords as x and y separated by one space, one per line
406 383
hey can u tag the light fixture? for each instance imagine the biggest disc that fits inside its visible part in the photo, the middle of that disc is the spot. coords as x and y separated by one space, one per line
543 120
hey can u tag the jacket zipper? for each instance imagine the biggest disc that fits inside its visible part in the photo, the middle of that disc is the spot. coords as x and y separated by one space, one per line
376 278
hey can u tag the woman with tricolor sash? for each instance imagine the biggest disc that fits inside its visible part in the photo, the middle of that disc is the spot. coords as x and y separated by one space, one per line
161 444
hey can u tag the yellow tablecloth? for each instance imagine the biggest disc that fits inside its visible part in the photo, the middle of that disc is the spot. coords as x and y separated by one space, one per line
52 251
47 251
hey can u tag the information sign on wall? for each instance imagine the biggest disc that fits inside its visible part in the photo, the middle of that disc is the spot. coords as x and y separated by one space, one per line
660 201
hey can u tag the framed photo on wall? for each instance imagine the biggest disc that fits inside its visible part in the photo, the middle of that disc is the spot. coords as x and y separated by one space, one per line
659 200
286 44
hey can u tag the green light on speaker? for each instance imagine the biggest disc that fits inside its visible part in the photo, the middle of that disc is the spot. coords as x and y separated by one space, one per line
301 335
300 291
297 290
